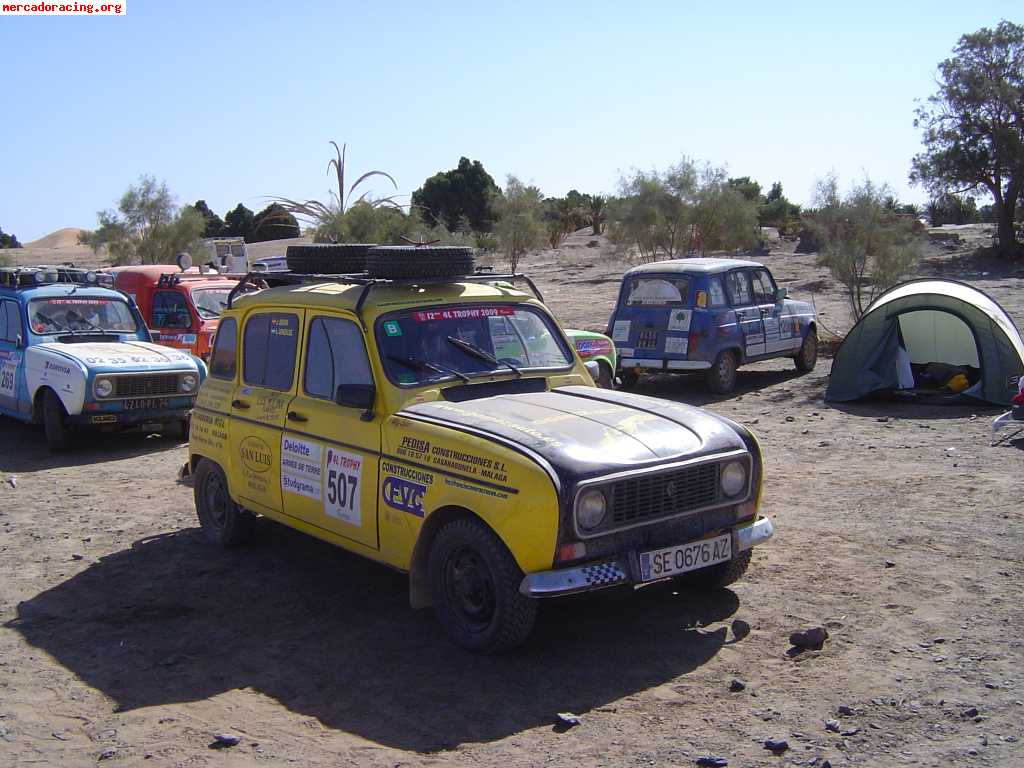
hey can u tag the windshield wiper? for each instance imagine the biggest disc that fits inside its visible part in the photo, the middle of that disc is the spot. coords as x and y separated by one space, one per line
422 365
481 354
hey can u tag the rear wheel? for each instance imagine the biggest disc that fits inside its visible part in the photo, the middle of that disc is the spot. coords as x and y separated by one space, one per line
721 378
222 520
628 377
474 583
807 357
55 423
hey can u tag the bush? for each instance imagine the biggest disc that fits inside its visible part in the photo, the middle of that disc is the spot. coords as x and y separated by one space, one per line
8 241
273 223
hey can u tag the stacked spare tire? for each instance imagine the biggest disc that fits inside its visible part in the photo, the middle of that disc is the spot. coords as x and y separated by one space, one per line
397 262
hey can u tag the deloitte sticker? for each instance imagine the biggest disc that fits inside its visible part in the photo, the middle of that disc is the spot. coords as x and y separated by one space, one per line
392 328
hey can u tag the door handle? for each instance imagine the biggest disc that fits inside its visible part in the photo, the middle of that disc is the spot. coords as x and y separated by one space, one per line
241 404
293 416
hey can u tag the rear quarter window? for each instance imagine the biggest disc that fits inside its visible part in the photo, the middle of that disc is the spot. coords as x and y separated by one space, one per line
225 347
268 350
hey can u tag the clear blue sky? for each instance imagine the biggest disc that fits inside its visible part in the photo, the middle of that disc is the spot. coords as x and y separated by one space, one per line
232 101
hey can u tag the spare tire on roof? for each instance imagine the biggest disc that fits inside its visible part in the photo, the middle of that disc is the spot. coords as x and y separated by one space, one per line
327 258
408 261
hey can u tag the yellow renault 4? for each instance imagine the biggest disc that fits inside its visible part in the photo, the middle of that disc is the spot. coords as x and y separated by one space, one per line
435 419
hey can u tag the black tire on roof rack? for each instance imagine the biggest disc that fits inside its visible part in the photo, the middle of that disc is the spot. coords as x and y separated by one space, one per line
400 261
327 258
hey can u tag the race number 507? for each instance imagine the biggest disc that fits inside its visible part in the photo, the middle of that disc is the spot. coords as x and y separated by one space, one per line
342 471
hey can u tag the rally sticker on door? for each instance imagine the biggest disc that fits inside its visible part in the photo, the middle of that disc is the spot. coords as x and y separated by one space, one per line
7 371
342 475
679 319
300 467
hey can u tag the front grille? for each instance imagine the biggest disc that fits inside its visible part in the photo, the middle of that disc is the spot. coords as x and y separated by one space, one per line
647 339
647 497
156 385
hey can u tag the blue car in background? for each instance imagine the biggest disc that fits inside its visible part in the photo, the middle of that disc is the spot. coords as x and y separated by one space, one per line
708 315
74 354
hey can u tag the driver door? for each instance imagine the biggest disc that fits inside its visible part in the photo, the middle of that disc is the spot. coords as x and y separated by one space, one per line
748 314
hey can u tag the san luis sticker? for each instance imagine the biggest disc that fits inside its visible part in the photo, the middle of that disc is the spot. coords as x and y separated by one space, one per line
255 454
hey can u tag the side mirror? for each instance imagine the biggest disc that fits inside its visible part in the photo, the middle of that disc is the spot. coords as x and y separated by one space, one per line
357 396
19 341
593 368
780 295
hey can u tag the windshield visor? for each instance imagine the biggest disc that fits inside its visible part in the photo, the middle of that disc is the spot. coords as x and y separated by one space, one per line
417 346
80 314
658 292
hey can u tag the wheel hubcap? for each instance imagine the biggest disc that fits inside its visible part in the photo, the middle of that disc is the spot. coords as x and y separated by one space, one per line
216 500
470 589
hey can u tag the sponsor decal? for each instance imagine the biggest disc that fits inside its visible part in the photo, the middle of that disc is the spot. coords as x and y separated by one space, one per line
56 368
301 467
620 331
454 483
256 454
469 313
679 319
676 345
593 347
342 476
392 328
403 495
209 430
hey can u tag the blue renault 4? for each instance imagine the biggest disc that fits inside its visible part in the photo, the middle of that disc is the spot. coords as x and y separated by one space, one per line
74 354
709 315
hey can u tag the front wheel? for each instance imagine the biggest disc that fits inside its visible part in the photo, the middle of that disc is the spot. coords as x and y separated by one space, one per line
55 423
808 355
474 583
605 378
721 378
222 520
628 378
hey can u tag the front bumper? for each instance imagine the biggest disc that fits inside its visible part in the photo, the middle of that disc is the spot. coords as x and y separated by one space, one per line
612 573
125 419
658 364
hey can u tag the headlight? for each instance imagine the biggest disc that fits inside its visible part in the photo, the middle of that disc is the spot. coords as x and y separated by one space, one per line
590 509
103 387
189 382
734 478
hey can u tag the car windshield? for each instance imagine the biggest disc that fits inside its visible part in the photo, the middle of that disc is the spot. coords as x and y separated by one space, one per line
459 342
75 314
210 302
658 291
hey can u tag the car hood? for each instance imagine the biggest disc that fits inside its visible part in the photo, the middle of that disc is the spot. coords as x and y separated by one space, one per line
113 357
584 431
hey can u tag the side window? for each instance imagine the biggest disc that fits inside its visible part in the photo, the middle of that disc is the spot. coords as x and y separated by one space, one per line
716 292
738 288
335 355
170 310
222 362
764 289
268 350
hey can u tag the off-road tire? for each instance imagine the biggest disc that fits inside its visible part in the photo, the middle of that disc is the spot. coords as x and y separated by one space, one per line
401 262
223 522
605 379
717 576
506 617
807 357
721 377
327 258
55 423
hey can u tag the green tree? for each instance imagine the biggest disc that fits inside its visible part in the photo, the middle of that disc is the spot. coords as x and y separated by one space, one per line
520 227
974 124
746 186
867 247
948 208
239 222
725 217
465 192
147 227
214 224
777 211
273 223
8 241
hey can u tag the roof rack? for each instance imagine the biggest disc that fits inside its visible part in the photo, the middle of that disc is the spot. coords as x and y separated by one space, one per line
275 279
44 274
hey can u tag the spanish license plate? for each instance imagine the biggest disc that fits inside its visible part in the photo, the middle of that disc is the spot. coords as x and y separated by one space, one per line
660 563
146 404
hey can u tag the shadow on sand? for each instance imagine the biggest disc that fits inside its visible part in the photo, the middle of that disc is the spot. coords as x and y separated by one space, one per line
330 635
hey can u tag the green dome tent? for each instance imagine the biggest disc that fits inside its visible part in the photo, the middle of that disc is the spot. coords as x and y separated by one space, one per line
920 334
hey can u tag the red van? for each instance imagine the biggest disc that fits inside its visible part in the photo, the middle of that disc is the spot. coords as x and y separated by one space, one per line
181 308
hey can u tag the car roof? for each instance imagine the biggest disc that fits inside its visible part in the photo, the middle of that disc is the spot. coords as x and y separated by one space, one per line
60 289
381 299
708 266
150 274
